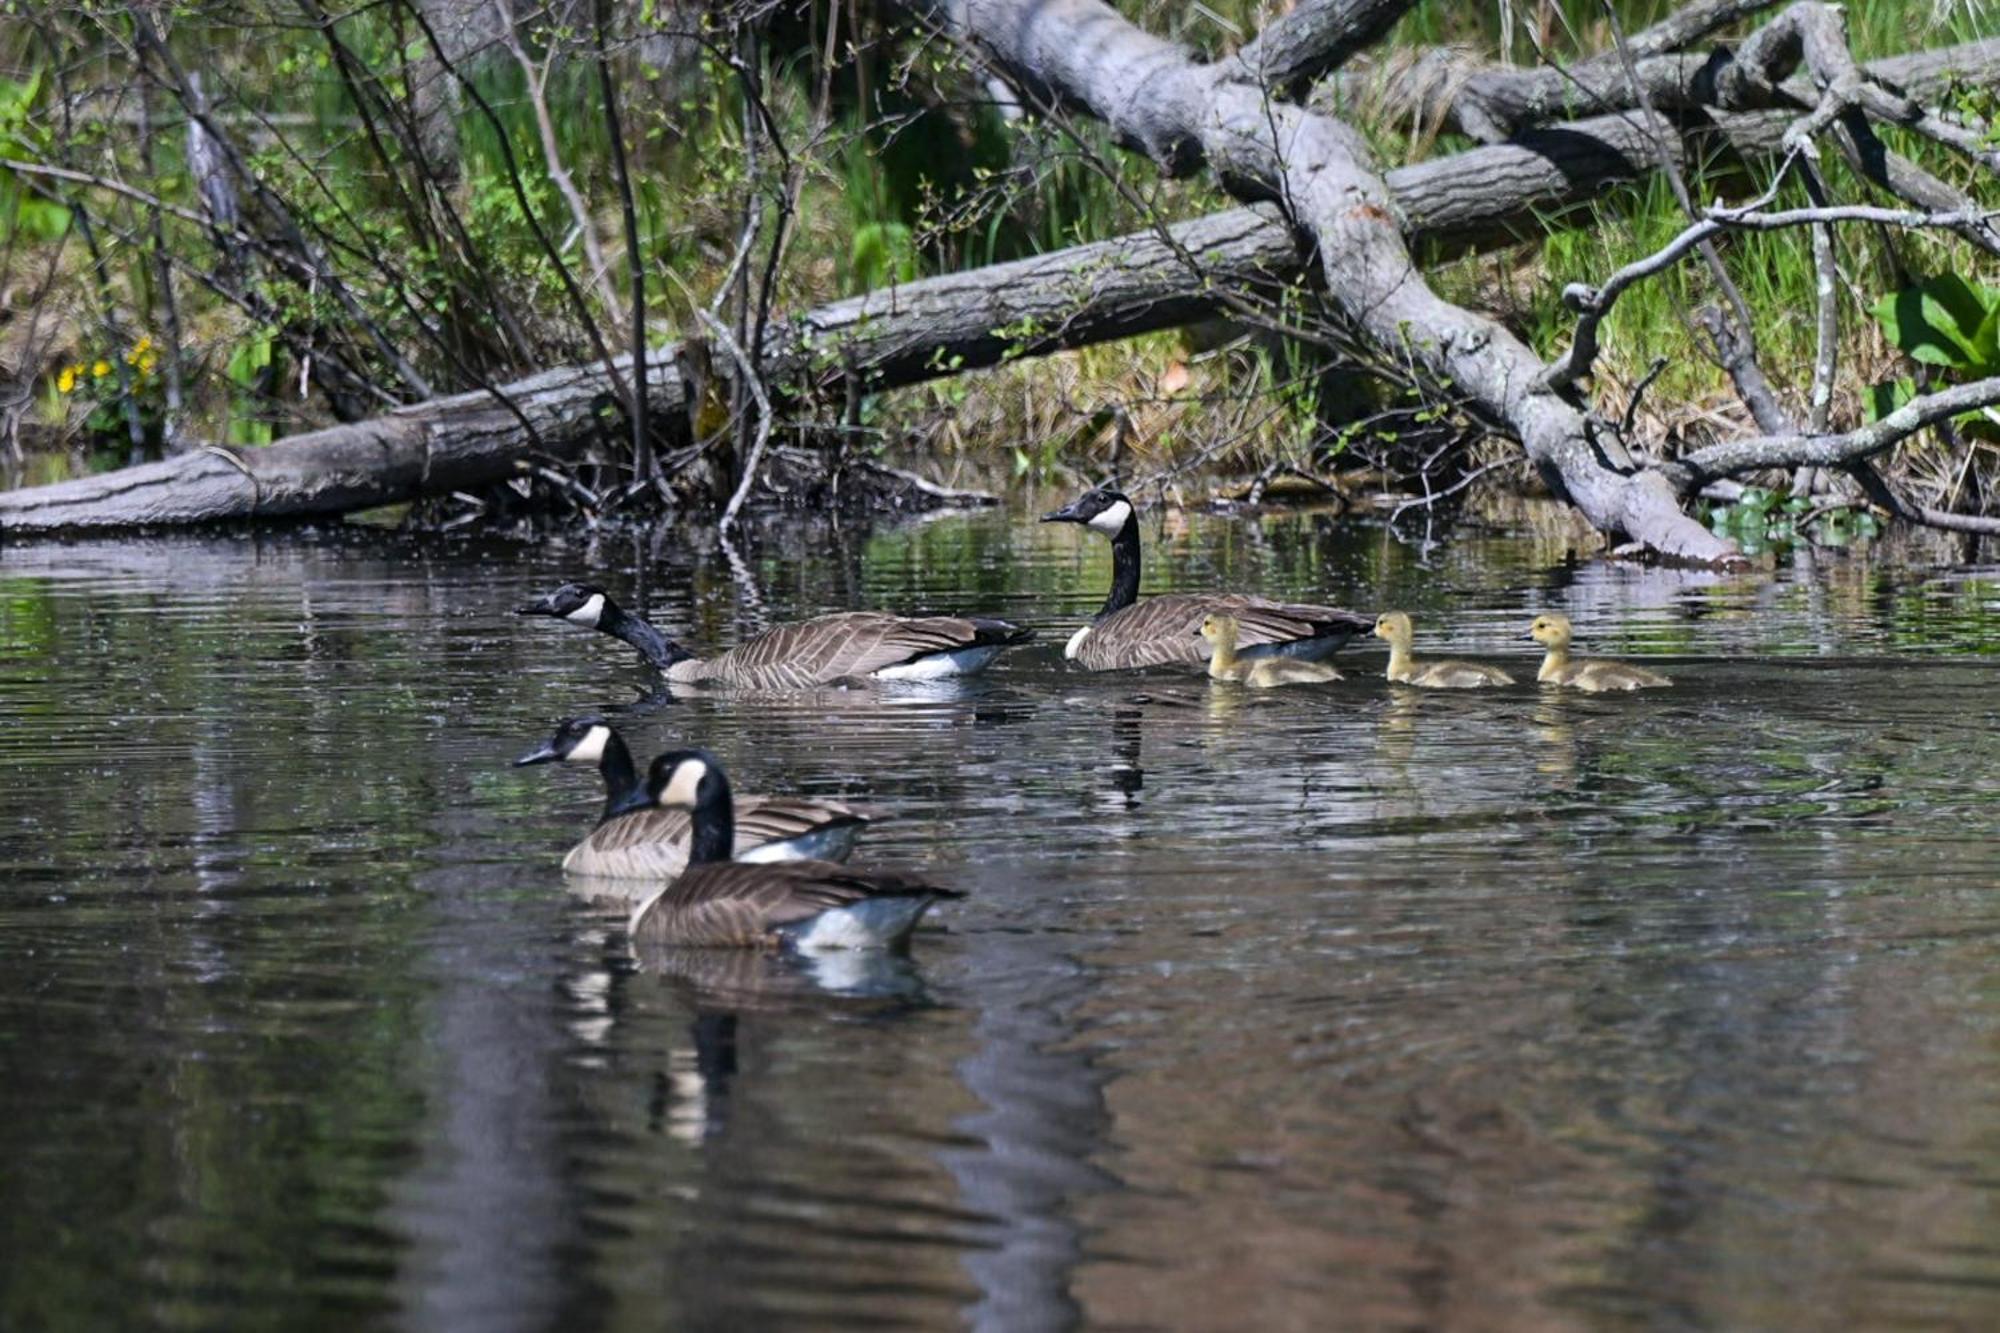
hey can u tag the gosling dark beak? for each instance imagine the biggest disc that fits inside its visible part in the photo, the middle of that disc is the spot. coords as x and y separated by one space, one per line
541 606
1529 636
541 754
1067 514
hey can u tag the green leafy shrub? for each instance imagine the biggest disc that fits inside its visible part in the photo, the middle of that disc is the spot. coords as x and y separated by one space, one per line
1947 322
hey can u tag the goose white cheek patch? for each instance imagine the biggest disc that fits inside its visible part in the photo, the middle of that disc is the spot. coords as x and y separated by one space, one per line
1112 519
589 613
591 748
682 786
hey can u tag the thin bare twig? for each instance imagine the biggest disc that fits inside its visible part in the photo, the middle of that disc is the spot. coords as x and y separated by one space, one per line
1595 303
536 78
642 439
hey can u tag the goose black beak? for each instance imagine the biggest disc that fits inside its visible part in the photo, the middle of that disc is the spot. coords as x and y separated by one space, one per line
1530 637
541 606
541 754
1067 514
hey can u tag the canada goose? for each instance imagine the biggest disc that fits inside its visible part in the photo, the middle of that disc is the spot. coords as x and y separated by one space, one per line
1395 626
1262 673
1553 632
805 652
805 905
1164 630
635 839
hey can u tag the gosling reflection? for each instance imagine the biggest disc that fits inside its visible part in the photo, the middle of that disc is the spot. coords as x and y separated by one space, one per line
1555 729
1396 738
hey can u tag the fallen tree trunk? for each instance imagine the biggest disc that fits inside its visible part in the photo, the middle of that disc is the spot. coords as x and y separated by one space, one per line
1443 89
1086 294
1154 95
900 335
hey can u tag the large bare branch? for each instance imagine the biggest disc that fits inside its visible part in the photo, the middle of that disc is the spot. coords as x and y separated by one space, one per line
1691 471
1449 90
1315 39
1182 113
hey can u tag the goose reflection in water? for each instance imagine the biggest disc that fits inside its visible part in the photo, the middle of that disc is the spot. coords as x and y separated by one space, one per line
692 1096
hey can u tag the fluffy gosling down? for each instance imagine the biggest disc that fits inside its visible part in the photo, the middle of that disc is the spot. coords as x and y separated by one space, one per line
1598 677
1260 673
1395 627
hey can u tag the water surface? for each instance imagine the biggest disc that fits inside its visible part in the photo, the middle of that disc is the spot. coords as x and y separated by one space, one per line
1347 1007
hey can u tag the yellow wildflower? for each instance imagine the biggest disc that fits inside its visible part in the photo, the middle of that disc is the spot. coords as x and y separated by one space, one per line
66 381
100 369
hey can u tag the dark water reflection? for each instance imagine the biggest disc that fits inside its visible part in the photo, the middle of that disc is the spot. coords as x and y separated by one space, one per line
1351 1007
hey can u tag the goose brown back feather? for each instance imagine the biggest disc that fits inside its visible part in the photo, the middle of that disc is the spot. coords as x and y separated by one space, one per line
1165 630
838 647
652 843
735 905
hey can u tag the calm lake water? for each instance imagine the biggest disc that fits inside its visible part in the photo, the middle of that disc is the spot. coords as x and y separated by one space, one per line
1322 1008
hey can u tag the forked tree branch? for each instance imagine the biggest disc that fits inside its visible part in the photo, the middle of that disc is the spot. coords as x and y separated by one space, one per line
1152 94
1594 304
1691 471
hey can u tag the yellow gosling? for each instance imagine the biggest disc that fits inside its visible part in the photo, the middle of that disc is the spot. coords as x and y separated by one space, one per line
1395 627
1262 673
1553 633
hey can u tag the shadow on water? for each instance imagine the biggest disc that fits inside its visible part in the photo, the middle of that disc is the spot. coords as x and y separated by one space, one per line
1350 1004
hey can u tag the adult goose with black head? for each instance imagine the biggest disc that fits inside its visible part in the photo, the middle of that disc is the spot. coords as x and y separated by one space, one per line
847 645
636 839
1165 630
810 906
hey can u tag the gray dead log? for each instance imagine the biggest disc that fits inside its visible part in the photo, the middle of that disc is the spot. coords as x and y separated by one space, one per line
1444 89
1154 95
429 448
898 335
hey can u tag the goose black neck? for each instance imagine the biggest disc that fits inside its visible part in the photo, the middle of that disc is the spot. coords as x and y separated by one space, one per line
654 646
622 788
714 819
1124 568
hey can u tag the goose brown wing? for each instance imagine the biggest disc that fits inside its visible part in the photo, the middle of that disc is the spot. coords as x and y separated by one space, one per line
653 843
1166 630
641 844
852 643
1259 621
736 905
762 819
